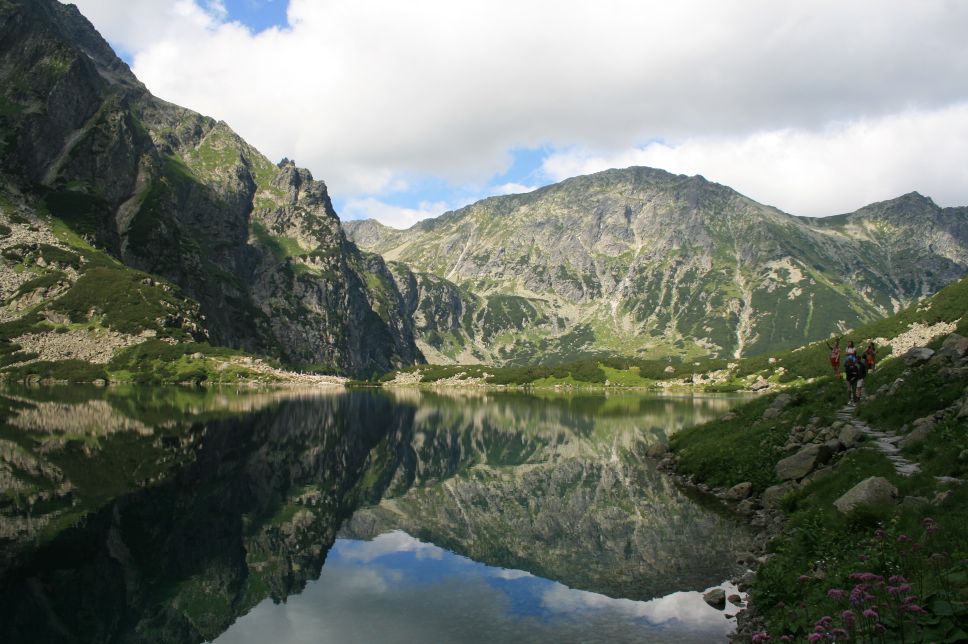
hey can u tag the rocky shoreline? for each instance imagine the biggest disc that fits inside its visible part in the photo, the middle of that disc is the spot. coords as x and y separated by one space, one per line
814 451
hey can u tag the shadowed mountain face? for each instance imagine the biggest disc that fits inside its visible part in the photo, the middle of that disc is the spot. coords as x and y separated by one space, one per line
183 510
643 262
180 196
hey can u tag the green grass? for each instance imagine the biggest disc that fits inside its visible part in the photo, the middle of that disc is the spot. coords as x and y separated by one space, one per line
158 362
122 299
43 281
64 370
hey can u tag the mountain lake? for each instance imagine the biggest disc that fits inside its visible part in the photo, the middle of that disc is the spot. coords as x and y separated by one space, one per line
135 514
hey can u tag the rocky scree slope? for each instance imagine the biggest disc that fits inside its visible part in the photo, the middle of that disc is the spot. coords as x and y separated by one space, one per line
646 263
180 196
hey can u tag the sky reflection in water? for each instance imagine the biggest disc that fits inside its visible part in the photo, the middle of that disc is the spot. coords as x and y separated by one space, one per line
396 588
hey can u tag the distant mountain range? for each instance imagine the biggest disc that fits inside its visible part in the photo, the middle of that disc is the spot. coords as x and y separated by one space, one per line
643 262
125 219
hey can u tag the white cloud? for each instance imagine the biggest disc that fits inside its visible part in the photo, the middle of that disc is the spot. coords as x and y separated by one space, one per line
813 172
385 544
364 93
390 215
511 189
686 607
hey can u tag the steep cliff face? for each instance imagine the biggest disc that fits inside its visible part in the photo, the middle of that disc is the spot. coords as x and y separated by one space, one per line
643 262
181 196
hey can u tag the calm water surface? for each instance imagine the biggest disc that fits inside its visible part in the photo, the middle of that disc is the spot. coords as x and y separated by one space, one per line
176 515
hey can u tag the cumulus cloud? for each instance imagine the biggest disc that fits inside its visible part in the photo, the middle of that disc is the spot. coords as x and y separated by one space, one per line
828 171
387 543
686 607
364 93
511 189
388 214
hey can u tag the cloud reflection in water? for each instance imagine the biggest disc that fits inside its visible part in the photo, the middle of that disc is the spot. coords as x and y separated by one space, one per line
396 588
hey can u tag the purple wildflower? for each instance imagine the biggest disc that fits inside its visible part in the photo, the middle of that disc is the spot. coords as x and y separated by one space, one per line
836 594
847 616
870 613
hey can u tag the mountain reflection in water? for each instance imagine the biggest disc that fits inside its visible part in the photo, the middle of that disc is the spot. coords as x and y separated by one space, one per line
132 514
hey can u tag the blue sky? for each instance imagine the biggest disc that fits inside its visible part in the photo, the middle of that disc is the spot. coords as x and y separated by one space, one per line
407 109
398 589
258 14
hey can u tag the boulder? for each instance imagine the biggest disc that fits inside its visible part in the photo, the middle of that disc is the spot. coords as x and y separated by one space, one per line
735 600
850 436
745 581
773 495
803 462
746 559
872 490
922 427
964 408
715 598
942 498
816 475
777 406
760 384
834 444
917 355
747 507
955 346
895 386
739 491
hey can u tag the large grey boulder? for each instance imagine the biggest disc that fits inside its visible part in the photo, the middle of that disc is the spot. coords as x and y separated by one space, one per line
873 490
850 436
955 346
716 598
917 355
760 384
739 491
922 427
803 462
773 495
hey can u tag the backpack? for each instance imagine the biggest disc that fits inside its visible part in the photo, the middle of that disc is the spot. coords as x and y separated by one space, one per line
852 370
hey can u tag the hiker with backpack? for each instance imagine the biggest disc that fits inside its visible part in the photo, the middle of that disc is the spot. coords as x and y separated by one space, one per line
861 374
852 372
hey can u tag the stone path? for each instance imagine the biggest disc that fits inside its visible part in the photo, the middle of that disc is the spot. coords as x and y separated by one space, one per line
885 442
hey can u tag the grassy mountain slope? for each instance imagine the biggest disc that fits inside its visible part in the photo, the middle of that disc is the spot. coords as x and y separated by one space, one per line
913 539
